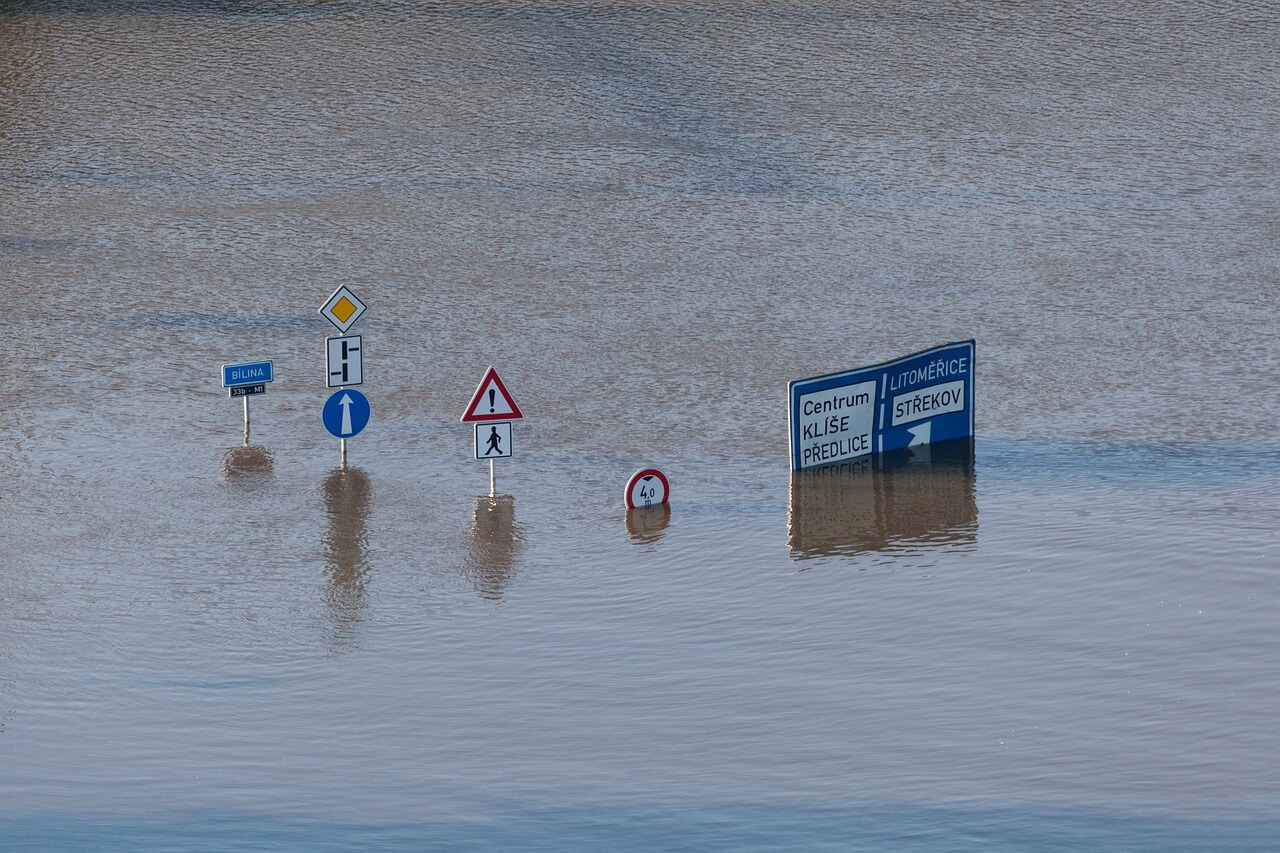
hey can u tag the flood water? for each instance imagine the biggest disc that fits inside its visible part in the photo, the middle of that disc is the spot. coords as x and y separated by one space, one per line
649 217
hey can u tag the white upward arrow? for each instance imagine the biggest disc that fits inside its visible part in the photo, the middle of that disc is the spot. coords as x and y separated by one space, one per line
345 403
920 434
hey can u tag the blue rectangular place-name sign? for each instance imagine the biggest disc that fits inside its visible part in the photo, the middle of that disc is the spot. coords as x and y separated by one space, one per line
253 373
919 399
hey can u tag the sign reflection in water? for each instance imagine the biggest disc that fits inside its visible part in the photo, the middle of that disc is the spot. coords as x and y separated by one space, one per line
646 525
907 500
494 545
248 466
347 495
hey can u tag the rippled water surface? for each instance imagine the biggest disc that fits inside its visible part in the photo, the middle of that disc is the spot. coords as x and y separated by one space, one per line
649 217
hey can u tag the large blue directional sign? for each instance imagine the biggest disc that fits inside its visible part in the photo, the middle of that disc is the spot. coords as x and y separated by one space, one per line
253 373
346 412
920 399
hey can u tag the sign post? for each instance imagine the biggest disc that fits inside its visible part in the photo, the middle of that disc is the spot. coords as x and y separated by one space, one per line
493 406
920 399
495 439
244 380
345 413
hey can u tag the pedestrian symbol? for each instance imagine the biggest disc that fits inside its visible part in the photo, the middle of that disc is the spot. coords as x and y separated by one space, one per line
493 441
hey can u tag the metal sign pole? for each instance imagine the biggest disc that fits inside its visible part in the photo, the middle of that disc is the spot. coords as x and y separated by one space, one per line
246 420
493 492
343 442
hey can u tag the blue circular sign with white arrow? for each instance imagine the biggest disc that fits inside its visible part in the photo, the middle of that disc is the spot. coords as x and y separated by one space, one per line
346 412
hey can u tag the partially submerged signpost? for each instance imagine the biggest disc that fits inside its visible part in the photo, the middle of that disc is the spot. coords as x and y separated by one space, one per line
647 488
648 512
345 415
347 411
244 380
916 400
492 409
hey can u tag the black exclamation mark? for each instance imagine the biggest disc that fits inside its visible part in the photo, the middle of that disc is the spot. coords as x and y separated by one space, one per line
492 394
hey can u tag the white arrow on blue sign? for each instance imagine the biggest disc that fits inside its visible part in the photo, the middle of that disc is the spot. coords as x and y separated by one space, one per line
346 413
917 400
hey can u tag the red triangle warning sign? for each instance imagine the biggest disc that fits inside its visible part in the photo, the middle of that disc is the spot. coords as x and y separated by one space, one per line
492 402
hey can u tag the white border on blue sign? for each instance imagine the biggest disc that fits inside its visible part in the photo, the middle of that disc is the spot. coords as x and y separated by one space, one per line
797 387
271 369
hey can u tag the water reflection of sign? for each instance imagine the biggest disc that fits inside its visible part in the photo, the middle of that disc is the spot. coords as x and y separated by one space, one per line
248 465
910 499
347 495
647 524
916 400
494 544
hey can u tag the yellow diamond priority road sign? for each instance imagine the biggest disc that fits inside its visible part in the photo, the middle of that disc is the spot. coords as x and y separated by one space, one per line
343 308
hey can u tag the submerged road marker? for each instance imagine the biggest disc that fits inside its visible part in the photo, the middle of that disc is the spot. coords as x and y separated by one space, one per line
244 380
345 413
492 405
647 488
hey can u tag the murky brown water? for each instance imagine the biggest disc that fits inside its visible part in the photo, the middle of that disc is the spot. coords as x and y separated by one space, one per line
649 217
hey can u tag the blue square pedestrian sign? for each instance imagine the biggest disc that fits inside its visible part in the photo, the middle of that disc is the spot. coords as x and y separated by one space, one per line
922 398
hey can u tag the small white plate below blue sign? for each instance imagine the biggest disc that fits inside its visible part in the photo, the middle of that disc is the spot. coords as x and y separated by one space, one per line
346 413
919 399
251 373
